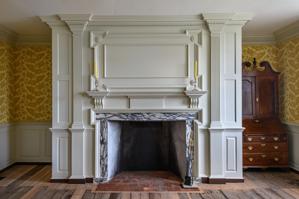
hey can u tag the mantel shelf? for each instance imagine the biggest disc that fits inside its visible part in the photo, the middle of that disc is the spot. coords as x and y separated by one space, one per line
189 93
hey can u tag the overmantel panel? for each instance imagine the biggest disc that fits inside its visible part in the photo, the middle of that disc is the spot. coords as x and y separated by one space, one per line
132 56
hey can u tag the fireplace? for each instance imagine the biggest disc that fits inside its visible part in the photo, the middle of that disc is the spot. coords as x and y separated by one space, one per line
163 139
146 146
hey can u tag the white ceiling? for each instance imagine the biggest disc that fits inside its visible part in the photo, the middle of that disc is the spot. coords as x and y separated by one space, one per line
270 15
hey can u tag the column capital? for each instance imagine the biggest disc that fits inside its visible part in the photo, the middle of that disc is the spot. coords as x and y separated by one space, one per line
76 22
217 21
52 21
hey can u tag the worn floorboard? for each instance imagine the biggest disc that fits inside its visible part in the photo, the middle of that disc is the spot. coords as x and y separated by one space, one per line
32 182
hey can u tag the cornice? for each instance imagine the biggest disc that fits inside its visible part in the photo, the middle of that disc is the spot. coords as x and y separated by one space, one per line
7 35
187 20
52 20
217 21
14 38
282 34
227 18
258 39
287 32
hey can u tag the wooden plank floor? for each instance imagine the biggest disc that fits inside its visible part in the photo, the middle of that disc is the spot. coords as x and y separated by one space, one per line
32 181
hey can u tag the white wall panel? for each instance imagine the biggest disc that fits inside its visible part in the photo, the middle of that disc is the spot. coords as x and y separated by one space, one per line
7 145
230 100
32 142
293 138
60 154
63 102
146 61
231 150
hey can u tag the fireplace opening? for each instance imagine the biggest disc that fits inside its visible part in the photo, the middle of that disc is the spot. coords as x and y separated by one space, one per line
146 146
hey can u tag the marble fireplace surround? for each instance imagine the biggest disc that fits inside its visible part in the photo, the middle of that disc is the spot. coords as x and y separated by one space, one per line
104 174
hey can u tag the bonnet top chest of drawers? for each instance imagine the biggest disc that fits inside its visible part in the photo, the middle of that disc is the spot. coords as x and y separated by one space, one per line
265 137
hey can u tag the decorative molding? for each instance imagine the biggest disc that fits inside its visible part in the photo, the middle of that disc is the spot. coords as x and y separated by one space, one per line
287 32
7 35
227 18
191 20
284 33
15 38
259 39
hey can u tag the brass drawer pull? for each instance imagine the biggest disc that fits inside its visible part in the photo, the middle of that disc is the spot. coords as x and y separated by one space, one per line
276 147
250 148
263 145
249 139
250 159
275 138
276 159
263 138
263 156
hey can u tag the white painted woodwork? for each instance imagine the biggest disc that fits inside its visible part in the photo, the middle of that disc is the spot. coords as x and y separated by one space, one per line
146 63
226 96
24 142
33 142
293 139
7 143
62 49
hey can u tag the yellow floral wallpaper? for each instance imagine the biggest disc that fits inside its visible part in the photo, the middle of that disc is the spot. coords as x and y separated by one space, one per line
284 57
32 81
6 60
289 89
267 52
25 89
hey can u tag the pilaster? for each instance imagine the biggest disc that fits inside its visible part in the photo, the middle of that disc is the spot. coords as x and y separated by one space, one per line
226 96
61 96
77 25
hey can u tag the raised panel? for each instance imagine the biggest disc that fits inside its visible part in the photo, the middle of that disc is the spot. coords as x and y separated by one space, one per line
29 143
62 153
266 97
146 61
143 103
230 53
231 153
63 101
230 100
248 97
63 53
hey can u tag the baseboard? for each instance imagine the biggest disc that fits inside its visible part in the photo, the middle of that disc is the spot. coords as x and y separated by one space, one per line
294 170
33 163
208 180
24 163
73 181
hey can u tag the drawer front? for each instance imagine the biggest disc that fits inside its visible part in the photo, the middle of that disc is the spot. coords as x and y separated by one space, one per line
264 138
265 159
264 147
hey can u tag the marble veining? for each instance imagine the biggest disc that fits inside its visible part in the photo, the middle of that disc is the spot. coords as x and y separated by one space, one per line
102 130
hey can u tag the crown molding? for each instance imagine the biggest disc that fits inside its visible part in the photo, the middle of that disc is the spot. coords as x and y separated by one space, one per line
227 18
258 39
36 39
187 20
7 35
14 38
287 32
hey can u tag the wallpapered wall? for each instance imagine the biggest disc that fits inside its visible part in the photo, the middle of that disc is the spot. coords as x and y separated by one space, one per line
25 90
284 57
6 62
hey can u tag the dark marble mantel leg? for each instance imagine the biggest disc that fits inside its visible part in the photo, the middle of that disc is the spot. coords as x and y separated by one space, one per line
189 153
103 150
